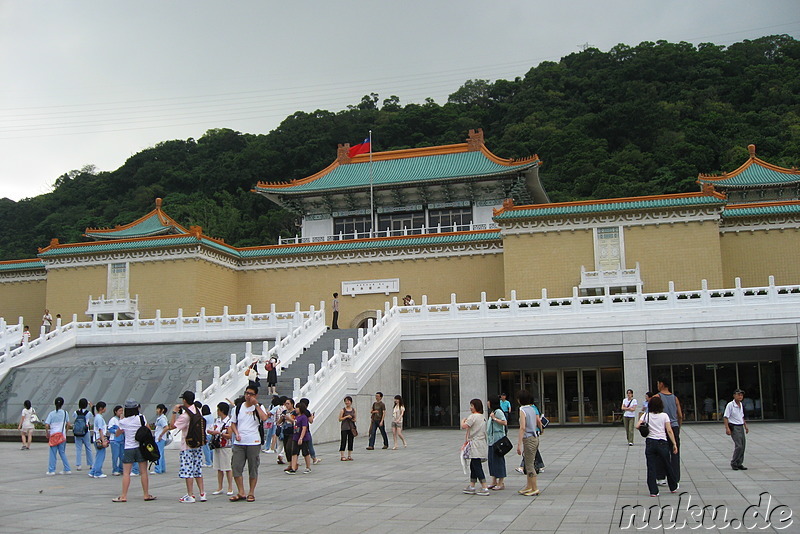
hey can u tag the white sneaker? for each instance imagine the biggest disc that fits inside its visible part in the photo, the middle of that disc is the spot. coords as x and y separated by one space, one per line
482 492
662 482
676 489
217 492
101 476
91 475
65 472
50 473
270 451
78 468
307 471
134 474
519 470
203 497
317 460
469 490
187 498
229 493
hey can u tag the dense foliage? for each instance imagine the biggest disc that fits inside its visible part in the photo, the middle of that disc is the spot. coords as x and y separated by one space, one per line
631 121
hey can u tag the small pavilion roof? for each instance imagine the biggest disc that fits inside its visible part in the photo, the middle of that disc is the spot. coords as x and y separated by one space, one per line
511 212
414 166
753 173
21 265
153 224
761 209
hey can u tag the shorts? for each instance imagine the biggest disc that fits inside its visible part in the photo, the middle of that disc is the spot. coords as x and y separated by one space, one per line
297 448
222 459
191 463
132 456
250 454
397 425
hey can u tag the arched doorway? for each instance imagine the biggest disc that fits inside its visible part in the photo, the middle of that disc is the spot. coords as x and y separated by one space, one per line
362 319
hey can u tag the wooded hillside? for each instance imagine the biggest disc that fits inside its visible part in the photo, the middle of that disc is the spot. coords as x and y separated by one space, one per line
631 121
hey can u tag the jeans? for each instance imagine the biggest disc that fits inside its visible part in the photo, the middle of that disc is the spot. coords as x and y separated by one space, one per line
208 454
161 464
373 428
116 456
656 452
61 450
674 459
476 471
84 442
97 466
739 442
268 437
311 448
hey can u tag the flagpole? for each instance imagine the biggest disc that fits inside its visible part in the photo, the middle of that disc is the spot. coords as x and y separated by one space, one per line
371 201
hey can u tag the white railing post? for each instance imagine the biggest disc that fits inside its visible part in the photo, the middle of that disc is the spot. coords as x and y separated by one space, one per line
198 389
202 318
738 294
157 321
671 297
324 360
312 371
576 302
248 316
298 316
296 389
513 304
225 319
453 306
483 308
772 292
179 320
705 297
425 310
545 306
216 375
232 368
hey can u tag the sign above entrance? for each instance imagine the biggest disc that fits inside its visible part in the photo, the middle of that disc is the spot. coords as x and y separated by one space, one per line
367 287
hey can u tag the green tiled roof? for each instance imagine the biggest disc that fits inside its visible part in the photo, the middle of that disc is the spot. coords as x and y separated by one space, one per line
22 266
100 246
339 246
403 170
760 211
151 226
605 206
755 175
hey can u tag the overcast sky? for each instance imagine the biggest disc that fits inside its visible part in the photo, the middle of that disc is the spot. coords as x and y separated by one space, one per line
94 82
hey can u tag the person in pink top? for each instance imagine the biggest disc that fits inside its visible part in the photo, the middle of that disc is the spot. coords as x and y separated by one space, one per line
191 469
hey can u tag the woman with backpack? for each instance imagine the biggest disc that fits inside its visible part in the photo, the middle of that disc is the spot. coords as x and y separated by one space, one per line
56 425
131 421
81 431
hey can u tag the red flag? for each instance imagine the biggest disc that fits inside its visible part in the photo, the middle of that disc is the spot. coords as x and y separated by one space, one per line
361 148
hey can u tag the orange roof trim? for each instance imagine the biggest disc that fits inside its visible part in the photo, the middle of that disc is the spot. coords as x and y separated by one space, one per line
752 160
165 219
511 207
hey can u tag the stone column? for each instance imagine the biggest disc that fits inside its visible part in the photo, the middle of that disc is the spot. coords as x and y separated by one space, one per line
634 364
471 373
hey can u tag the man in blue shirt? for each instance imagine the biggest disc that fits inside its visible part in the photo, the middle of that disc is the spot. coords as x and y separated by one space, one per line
505 407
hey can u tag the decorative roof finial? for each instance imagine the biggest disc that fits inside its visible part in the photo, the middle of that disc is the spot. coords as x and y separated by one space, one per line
475 140
158 203
752 150
342 153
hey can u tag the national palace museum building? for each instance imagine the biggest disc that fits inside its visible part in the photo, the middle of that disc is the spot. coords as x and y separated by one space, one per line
457 219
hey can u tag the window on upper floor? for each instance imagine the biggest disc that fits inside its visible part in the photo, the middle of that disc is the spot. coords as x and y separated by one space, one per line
451 220
352 227
396 223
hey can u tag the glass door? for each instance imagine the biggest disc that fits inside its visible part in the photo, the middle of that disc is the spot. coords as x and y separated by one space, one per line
572 396
589 391
549 404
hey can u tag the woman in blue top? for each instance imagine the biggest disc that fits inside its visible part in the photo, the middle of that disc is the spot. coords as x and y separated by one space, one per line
496 431
116 442
100 440
58 421
160 433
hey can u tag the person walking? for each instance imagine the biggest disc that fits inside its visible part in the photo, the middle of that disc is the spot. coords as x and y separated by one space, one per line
130 423
496 431
657 447
116 441
347 417
301 439
26 425
247 427
378 414
528 440
736 428
270 426
398 410
286 422
160 434
100 437
82 433
57 422
191 458
335 321
672 407
222 454
629 415
475 447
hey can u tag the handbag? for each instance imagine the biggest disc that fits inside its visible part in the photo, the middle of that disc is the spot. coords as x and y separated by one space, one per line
57 438
644 426
101 443
503 446
354 430
167 438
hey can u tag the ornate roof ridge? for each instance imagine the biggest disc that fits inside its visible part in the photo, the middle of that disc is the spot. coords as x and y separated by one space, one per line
766 204
28 260
475 143
166 220
752 160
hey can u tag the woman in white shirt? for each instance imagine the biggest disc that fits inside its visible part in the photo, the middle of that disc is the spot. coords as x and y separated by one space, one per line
222 455
656 445
131 454
25 426
398 410
629 415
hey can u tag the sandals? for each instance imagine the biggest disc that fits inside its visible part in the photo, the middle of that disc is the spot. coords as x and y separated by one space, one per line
237 498
150 498
498 487
119 499
349 458
251 498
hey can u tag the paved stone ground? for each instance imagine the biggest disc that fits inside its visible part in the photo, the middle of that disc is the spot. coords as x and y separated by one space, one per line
591 474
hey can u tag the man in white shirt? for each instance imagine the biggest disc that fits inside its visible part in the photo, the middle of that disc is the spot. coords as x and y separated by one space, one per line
736 428
247 427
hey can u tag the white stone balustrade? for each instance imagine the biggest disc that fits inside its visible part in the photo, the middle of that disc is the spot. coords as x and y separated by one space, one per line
424 230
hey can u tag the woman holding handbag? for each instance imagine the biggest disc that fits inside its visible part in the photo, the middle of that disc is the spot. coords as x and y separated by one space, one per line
347 417
496 433
475 447
100 441
26 426
56 425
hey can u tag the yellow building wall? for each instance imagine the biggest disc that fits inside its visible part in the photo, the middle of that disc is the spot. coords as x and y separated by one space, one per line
550 260
26 300
682 253
754 256
188 284
68 289
437 278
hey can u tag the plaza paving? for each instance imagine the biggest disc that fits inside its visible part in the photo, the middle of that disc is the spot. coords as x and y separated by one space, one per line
591 474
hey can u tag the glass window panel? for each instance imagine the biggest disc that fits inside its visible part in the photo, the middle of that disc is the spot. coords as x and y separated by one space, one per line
612 391
571 397
659 371
748 381
705 392
683 388
352 227
590 396
726 383
550 396
771 402
510 384
397 222
453 409
451 220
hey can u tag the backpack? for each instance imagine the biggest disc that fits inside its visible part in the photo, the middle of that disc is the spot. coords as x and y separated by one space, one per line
258 421
196 432
147 443
270 366
80 428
